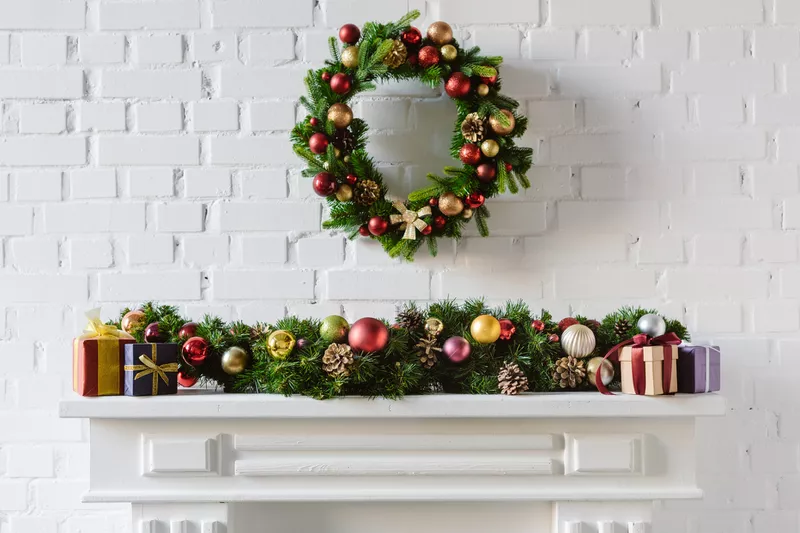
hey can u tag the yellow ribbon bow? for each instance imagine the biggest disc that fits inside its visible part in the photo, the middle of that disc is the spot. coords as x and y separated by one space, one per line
149 366
411 220
96 328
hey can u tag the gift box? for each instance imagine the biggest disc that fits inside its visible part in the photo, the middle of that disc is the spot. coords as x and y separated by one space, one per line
97 358
151 369
649 370
699 369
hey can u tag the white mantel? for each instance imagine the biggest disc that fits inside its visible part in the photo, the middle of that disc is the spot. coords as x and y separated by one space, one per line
550 463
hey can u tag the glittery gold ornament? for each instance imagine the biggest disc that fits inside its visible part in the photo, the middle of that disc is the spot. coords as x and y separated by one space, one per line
434 326
473 128
449 52
483 89
280 344
485 329
234 360
344 193
366 192
490 148
440 33
397 55
606 372
341 115
467 213
350 57
498 126
450 205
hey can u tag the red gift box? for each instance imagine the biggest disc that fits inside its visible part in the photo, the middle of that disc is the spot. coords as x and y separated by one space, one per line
98 359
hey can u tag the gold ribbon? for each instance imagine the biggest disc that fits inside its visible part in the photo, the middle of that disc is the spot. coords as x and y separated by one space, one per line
149 366
96 329
409 220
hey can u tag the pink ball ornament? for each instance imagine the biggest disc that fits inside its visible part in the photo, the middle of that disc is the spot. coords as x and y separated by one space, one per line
456 349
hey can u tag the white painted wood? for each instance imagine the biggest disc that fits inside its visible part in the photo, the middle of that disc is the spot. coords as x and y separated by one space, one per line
148 526
179 526
610 527
171 456
638 527
604 454
367 442
575 527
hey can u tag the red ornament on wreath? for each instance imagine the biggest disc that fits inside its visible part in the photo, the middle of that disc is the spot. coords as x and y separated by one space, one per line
152 333
538 325
314 121
470 154
187 330
185 380
318 143
411 37
458 85
553 337
324 184
378 226
433 202
456 349
439 222
486 172
507 329
368 335
475 200
428 56
349 33
340 83
195 351
364 231
567 322
351 179
326 77
426 230
489 80
509 167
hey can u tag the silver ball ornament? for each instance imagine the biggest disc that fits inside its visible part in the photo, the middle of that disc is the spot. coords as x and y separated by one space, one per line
606 372
652 325
234 360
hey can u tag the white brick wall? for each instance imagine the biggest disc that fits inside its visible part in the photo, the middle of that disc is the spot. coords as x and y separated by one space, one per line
145 155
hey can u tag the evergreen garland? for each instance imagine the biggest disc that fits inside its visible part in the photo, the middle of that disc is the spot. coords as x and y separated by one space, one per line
395 371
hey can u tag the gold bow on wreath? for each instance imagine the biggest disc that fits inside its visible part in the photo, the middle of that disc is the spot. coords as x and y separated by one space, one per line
411 220
149 366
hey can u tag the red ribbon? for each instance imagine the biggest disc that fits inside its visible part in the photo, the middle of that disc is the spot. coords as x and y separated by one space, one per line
638 343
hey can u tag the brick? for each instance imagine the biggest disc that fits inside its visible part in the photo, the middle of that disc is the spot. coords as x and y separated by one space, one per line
711 13
177 84
740 78
13 495
718 318
500 41
150 15
42 151
44 50
721 44
99 49
38 185
215 116
269 48
320 251
377 284
136 151
717 249
606 13
279 116
158 117
788 144
338 12
773 247
183 285
92 183
5 49
151 249
726 214
42 15
551 115
151 182
520 80
716 283
572 248
551 44
721 109
16 220
42 118
474 11
18 358
669 112
93 217
621 283
516 218
252 151
212 183
776 316
261 250
238 82
209 47
777 43
601 148
666 248
666 45
31 461
158 49
264 184
33 524
608 216
34 254
787 12
175 217
578 79
90 253
721 145
608 45
249 285
65 289
240 216
205 250
256 14
101 116
777 180
59 84
716 179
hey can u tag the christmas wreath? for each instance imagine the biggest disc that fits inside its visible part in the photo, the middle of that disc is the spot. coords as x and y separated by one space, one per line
333 142
446 348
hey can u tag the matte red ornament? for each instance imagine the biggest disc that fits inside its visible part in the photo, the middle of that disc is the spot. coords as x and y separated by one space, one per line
475 200
314 121
458 85
427 230
486 172
324 184
507 329
185 380
428 56
187 330
456 349
349 33
538 325
195 351
378 226
553 337
411 37
567 322
593 324
489 80
368 335
340 83
470 154
318 143
433 202
439 222
364 231
326 77
351 179
152 333
509 167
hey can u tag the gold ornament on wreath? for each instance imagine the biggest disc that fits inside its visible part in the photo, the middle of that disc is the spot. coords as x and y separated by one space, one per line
351 182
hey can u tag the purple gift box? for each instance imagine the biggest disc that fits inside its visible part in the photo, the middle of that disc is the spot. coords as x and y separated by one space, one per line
698 369
150 369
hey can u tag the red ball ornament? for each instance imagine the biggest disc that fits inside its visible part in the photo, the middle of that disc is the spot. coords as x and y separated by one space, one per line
439 222
195 351
364 231
489 80
458 85
326 77
428 56
368 335
474 200
486 172
378 226
470 154
318 143
553 337
538 325
567 322
411 37
152 333
351 179
509 167
324 184
507 329
340 83
433 202
426 230
187 330
314 121
185 380
349 33
413 58
456 349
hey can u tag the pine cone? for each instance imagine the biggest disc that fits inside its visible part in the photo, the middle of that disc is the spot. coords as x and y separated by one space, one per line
411 319
512 380
622 328
337 360
259 331
344 141
473 128
367 192
570 372
428 349
397 56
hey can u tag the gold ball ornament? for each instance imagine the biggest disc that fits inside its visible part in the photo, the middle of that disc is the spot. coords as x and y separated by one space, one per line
450 205
434 326
337 152
578 341
467 213
350 57
440 33
341 115
483 89
606 372
344 193
485 329
346 159
280 344
490 148
498 126
132 320
449 52
235 360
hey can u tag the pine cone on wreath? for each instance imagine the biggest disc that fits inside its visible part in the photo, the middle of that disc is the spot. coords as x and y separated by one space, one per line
512 380
622 328
473 128
397 56
428 349
411 319
259 331
337 360
570 372
367 192
344 141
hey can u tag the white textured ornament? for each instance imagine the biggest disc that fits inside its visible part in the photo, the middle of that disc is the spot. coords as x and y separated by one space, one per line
578 340
652 325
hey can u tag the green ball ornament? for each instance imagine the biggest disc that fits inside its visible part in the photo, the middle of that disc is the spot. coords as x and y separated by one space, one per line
334 329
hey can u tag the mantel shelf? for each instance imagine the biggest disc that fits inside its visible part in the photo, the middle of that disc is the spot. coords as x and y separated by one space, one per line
209 405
